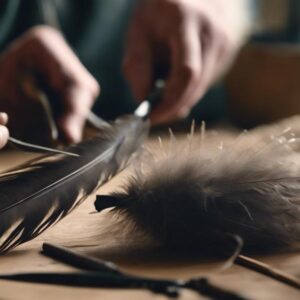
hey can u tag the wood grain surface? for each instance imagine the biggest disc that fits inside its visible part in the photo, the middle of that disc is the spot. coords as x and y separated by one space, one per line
84 231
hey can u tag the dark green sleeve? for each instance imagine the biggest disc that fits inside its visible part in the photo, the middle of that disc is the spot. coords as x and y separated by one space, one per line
95 29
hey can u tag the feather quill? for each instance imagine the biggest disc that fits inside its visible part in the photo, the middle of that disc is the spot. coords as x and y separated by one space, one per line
203 196
39 193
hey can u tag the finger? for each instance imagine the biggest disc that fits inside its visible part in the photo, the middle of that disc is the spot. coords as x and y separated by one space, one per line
56 61
186 64
212 45
4 134
3 118
138 63
78 105
65 76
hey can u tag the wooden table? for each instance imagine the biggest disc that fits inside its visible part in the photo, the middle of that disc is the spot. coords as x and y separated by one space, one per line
83 231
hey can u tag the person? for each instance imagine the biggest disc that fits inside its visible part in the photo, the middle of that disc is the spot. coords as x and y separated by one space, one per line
73 47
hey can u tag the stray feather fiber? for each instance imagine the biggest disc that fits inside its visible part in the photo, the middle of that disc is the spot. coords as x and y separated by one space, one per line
206 196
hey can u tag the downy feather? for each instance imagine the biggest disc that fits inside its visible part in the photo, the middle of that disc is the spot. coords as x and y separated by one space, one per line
203 195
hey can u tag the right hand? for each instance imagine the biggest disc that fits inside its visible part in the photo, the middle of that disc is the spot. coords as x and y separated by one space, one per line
43 52
194 38
3 130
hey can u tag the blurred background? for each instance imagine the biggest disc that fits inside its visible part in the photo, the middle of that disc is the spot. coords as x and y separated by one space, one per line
261 86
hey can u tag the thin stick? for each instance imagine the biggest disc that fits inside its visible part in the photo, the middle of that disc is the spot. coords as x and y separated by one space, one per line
77 260
31 147
267 270
99 280
108 275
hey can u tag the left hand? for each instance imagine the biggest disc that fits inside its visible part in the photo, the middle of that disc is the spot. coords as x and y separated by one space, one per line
192 36
44 54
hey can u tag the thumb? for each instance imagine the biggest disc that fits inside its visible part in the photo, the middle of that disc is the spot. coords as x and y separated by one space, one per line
77 105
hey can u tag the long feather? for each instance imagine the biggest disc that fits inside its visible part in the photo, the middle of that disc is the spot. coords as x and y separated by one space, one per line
37 194
203 195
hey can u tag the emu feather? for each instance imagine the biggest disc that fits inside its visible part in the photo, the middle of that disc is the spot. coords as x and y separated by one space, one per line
200 195
39 193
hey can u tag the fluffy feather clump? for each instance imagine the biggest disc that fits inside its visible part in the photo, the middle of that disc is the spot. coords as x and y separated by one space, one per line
200 194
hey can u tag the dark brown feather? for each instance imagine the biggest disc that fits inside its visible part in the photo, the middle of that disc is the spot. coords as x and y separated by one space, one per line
38 194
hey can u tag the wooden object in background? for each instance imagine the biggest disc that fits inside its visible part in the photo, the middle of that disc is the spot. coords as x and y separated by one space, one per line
264 84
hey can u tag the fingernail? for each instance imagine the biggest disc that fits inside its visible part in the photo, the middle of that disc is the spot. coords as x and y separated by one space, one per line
3 118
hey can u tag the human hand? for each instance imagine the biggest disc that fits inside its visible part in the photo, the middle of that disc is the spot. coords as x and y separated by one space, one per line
3 130
195 38
43 53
